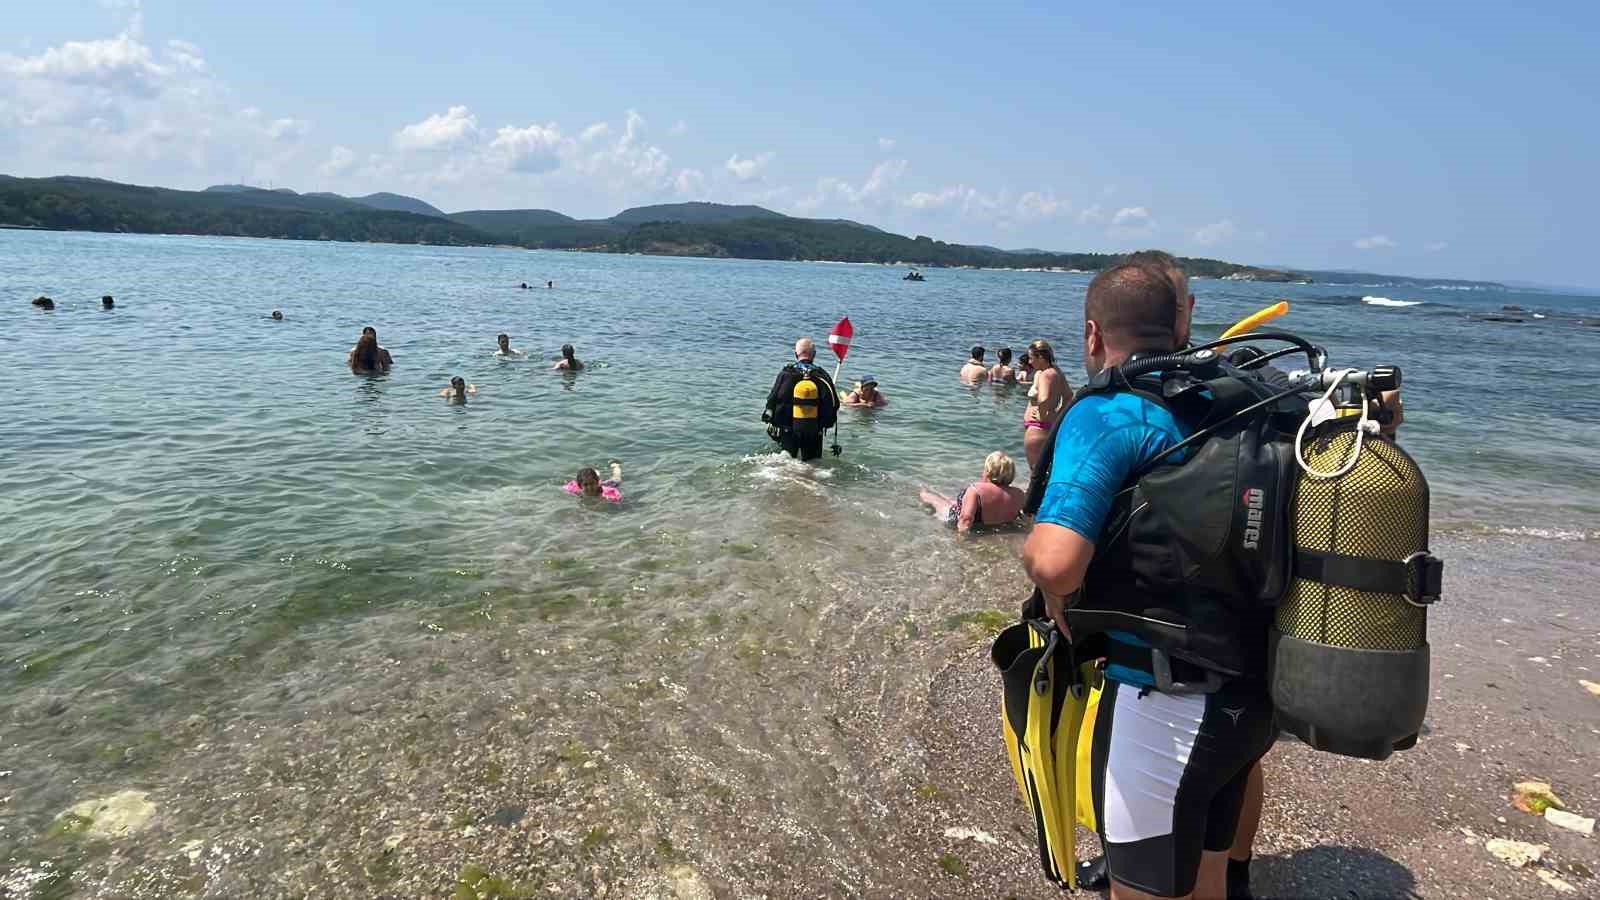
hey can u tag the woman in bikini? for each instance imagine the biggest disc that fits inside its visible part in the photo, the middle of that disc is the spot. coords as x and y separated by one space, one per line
1047 400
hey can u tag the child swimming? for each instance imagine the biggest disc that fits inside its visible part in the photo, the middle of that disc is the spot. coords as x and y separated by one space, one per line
588 484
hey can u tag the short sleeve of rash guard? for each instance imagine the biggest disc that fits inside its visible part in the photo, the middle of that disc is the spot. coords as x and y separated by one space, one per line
1103 440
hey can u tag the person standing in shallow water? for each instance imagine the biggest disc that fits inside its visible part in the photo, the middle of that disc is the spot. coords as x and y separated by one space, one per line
1001 372
504 341
802 405
364 358
1047 400
974 372
458 390
384 359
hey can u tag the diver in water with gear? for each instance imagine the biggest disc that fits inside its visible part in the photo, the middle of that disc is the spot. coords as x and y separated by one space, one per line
1152 734
802 404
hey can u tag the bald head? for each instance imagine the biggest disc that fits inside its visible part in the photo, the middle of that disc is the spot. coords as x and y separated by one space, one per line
804 349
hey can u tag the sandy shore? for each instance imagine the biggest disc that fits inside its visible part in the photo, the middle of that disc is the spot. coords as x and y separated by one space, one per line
881 774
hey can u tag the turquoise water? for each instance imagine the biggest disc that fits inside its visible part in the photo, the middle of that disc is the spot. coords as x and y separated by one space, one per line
200 502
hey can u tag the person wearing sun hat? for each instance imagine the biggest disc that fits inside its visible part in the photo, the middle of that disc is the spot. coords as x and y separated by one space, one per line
866 393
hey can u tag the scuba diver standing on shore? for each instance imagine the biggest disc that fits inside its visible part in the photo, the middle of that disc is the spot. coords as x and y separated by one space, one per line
802 404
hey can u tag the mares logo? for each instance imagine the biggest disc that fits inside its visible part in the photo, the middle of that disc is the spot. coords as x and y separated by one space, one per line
1255 502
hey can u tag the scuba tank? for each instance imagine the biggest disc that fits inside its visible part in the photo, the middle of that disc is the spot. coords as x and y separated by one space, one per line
1349 650
805 404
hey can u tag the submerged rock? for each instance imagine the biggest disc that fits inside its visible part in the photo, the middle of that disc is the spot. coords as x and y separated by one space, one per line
119 815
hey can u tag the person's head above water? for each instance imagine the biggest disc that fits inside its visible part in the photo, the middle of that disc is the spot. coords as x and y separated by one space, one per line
107 302
277 315
1005 355
370 330
1128 309
44 303
977 353
999 468
805 350
567 352
1166 262
867 387
504 340
589 481
1043 355
364 358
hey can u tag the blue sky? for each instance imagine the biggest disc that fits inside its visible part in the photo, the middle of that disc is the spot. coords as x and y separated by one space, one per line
1438 140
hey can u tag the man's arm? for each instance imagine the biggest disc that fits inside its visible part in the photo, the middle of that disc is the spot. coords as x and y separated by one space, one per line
772 397
1056 558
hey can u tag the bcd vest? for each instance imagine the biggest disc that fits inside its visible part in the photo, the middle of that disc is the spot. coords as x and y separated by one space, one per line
1196 550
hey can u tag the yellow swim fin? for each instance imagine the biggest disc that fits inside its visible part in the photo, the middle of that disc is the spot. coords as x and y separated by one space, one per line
1042 706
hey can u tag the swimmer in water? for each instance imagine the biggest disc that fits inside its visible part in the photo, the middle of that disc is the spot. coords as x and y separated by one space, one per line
107 303
866 394
588 484
384 359
505 346
458 390
277 315
1001 372
974 371
567 362
550 284
364 358
44 303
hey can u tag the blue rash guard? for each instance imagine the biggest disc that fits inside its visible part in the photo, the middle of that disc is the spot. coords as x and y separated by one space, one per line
1104 439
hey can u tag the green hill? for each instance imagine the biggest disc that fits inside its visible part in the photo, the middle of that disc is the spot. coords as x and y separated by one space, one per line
698 213
88 204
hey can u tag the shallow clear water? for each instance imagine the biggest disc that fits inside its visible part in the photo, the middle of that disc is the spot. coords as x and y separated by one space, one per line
200 502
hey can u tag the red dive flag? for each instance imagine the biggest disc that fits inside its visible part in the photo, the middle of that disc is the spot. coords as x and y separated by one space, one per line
839 339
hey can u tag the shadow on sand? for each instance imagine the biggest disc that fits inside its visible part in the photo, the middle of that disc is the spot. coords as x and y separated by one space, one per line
1349 873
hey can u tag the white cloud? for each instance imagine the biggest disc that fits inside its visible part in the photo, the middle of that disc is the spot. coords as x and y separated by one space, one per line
1435 246
287 127
885 144
935 199
455 126
690 183
1131 216
595 131
1131 222
535 149
340 161
1377 241
1215 233
1035 205
119 62
1092 215
746 169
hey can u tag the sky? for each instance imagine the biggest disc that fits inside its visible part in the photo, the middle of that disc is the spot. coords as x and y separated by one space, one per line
1442 140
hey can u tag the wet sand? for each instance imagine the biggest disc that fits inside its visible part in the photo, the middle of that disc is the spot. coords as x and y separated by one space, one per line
507 762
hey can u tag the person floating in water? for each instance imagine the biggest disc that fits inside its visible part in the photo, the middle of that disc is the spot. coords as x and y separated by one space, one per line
974 371
277 315
866 393
504 340
802 405
458 390
588 484
550 284
44 303
107 302
989 501
568 361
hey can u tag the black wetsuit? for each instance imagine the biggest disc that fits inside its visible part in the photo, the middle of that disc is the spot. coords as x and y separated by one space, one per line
801 443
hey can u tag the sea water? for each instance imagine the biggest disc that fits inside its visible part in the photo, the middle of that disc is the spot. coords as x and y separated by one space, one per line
203 511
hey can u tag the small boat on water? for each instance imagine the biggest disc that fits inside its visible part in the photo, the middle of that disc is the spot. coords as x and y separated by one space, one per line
913 275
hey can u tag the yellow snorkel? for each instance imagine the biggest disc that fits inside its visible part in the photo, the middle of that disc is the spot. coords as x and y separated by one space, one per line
1257 319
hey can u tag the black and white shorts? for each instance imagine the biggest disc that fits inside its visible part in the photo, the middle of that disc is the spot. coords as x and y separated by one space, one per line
1169 778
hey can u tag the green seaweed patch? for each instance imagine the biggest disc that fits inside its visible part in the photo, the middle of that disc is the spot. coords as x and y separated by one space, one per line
913 630
617 633
474 883
666 851
69 825
746 551
928 792
952 865
983 623
564 564
493 772
713 621
720 792
43 664
597 835
573 752
438 667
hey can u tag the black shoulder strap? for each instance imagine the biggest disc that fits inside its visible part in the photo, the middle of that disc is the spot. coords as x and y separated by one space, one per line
1106 381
